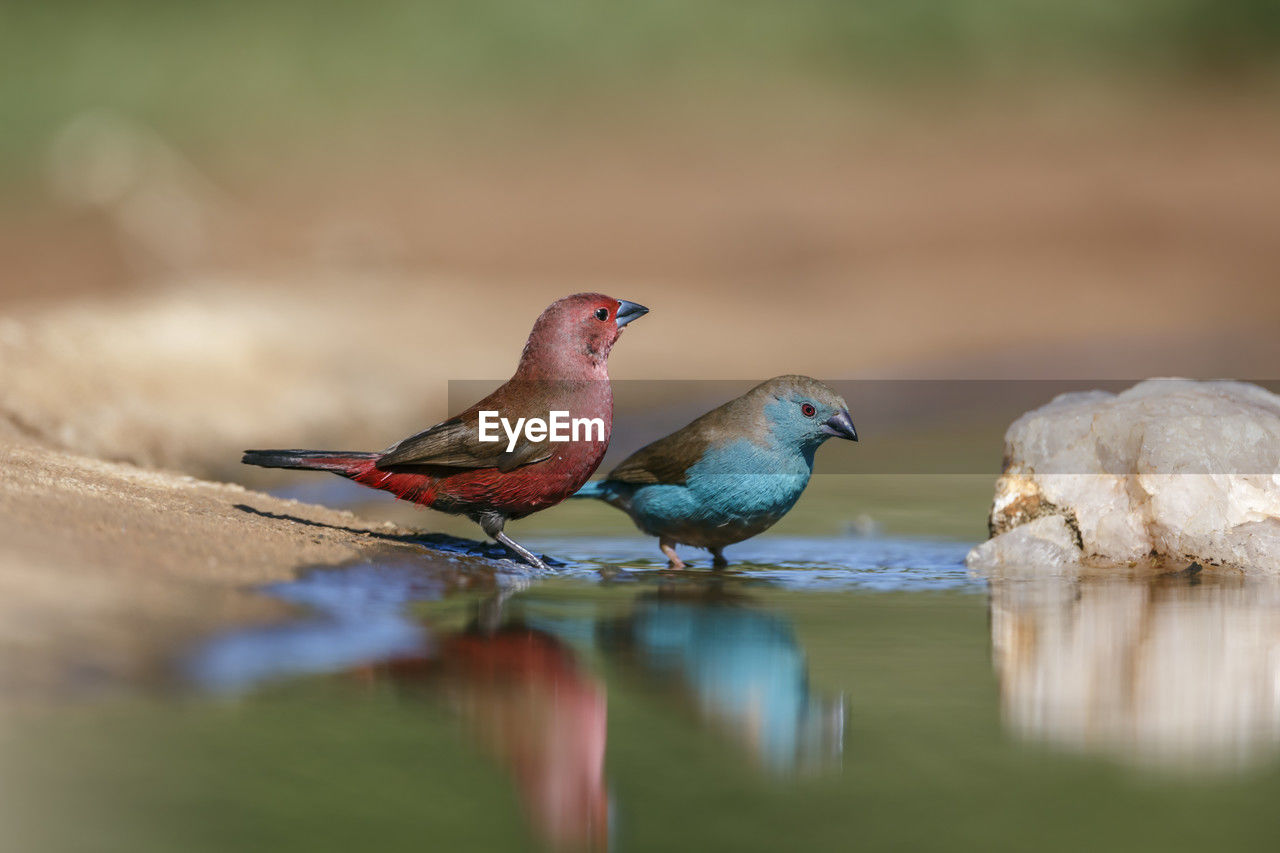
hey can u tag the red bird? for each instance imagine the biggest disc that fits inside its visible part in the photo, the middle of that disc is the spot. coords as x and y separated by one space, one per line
449 468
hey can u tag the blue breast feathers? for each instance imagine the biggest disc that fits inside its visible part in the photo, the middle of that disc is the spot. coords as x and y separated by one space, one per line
733 492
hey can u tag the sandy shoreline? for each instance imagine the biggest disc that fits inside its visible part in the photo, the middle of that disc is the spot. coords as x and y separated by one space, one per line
107 570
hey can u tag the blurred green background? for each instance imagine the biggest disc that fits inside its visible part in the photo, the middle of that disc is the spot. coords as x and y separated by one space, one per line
208 70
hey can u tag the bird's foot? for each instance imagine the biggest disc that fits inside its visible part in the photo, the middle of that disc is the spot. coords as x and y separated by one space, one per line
524 553
669 548
717 559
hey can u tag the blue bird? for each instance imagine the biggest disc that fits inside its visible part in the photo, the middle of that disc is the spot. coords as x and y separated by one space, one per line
730 474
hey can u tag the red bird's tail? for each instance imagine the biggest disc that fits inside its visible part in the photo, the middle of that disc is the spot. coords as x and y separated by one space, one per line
346 464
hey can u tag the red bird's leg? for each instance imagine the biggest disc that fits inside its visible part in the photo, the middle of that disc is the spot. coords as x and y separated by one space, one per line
669 548
524 553
492 524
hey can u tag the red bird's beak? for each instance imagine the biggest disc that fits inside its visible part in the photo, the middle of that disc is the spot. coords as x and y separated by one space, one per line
628 311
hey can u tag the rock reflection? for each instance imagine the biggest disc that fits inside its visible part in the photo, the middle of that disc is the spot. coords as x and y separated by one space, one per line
741 666
1176 670
527 701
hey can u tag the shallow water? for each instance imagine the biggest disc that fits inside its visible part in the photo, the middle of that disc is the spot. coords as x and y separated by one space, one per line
361 612
823 693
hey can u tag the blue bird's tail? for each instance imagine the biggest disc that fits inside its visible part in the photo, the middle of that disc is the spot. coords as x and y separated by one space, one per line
611 492
598 489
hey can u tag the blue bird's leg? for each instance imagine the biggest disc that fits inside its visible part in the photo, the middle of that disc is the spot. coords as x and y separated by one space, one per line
668 547
717 558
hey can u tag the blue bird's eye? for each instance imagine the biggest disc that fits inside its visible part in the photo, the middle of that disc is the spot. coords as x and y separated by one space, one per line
602 314
808 410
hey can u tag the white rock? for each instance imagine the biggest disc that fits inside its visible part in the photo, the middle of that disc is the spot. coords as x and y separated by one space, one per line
1173 469
1047 541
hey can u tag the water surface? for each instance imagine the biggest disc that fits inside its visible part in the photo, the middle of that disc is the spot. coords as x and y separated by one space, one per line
824 693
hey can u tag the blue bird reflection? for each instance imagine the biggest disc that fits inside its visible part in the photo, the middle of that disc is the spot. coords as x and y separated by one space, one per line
742 667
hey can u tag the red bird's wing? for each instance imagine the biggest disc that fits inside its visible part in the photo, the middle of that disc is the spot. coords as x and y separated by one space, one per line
456 443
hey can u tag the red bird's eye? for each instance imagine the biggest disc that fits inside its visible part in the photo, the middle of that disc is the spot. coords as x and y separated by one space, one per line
602 314
808 410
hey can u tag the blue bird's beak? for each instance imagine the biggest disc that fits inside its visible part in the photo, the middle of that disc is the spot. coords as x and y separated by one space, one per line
841 426
628 311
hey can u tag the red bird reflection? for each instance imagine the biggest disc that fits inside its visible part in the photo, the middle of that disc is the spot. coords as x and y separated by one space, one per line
531 706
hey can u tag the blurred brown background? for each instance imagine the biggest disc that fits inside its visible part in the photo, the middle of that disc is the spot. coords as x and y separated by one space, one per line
231 225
